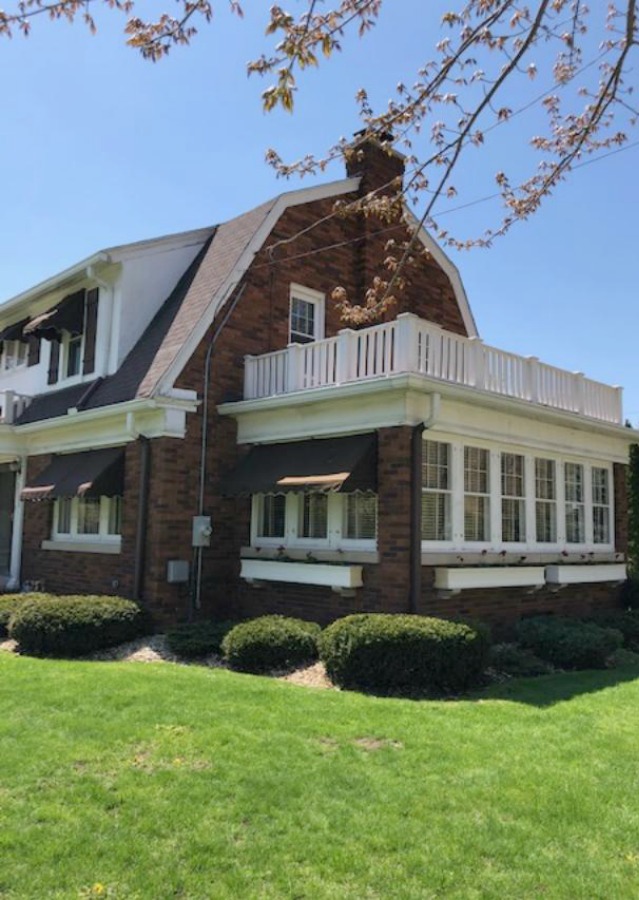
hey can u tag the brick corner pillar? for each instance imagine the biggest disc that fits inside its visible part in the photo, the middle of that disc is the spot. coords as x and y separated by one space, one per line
394 468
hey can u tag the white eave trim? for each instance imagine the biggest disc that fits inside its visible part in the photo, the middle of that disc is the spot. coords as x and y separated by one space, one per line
56 282
281 204
424 384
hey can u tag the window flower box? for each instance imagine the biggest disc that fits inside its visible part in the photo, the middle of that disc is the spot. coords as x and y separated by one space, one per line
338 577
586 574
459 579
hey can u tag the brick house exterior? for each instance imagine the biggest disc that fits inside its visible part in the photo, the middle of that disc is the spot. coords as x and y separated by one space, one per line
484 464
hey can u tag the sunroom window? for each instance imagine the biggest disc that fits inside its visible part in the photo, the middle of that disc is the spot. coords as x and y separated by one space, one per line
476 494
575 506
436 491
513 502
545 501
361 516
600 506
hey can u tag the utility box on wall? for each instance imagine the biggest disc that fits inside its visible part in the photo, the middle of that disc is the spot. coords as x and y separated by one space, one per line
177 571
201 531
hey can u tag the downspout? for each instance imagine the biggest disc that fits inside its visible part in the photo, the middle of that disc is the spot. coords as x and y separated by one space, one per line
17 533
197 551
141 527
415 583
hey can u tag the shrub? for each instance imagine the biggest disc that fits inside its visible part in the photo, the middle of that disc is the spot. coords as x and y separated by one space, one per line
519 662
386 652
198 638
569 643
271 642
9 603
625 621
74 625
623 659
629 593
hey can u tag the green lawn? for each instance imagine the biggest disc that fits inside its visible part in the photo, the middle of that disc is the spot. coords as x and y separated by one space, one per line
141 781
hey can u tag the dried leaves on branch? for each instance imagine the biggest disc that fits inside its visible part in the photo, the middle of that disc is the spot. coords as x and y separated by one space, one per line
495 61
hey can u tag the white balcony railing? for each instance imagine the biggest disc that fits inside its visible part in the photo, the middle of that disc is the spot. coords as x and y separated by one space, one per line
12 405
412 345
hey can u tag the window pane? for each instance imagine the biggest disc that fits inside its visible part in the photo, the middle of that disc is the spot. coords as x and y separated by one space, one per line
476 521
600 506
512 475
545 522
89 515
435 465
575 533
600 490
74 352
436 517
545 479
314 516
114 524
273 517
361 516
302 320
475 470
574 476
64 515
513 520
601 524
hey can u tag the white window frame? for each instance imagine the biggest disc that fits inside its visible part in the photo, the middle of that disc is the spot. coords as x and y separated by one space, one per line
604 506
519 499
335 532
446 493
459 545
318 300
67 337
73 535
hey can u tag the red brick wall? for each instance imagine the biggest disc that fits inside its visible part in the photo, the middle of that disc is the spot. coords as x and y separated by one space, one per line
620 476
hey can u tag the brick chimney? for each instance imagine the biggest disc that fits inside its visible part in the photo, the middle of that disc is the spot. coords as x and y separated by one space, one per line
375 161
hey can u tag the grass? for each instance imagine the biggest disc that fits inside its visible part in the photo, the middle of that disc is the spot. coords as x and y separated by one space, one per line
128 781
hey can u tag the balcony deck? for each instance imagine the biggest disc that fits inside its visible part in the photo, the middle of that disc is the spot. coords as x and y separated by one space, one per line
412 345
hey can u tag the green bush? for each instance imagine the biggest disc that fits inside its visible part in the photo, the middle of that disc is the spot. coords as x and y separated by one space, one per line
198 639
405 653
629 593
623 659
519 662
569 643
72 626
625 621
271 642
9 603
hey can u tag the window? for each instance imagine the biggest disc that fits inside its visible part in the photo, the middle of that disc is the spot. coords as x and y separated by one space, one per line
476 494
436 492
600 506
306 317
513 502
72 355
325 521
88 518
272 516
361 516
545 501
14 354
575 508
313 516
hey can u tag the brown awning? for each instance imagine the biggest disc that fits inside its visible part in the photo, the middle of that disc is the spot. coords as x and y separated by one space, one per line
330 464
14 332
67 315
96 473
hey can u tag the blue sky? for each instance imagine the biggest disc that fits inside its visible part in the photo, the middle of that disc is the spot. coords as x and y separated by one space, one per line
99 148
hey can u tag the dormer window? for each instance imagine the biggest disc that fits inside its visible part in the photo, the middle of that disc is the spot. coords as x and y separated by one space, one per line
70 328
306 317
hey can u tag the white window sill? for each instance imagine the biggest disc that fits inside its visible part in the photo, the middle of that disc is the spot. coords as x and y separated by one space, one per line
112 547
323 574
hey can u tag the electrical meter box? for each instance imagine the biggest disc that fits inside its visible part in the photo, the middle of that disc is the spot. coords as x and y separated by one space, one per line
177 571
201 531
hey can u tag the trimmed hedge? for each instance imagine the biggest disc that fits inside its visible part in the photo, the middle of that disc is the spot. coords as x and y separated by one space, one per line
271 642
198 639
10 603
387 652
569 643
516 661
70 626
625 621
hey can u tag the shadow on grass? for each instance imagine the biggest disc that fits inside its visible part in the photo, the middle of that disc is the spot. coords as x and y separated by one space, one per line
547 690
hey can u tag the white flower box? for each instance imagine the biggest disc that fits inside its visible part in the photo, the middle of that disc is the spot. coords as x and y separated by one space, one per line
347 577
587 574
487 577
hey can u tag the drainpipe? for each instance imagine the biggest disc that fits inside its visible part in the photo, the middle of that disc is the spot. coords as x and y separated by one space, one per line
142 523
17 526
196 598
415 584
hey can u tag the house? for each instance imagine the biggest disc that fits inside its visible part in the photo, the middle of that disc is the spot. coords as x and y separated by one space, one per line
187 421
